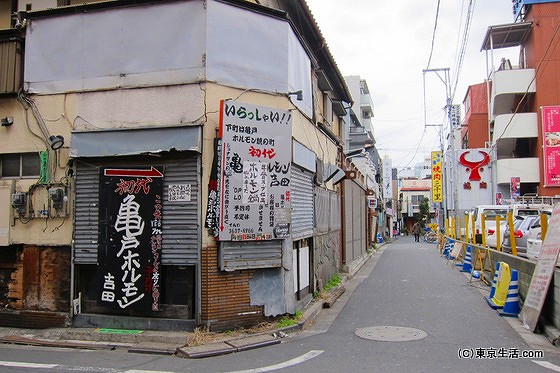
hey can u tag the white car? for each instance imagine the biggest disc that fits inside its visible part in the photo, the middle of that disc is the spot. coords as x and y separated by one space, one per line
534 240
492 233
490 212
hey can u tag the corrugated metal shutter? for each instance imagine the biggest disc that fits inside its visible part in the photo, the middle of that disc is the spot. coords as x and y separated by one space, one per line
302 203
181 220
322 205
250 254
335 213
327 208
86 220
355 220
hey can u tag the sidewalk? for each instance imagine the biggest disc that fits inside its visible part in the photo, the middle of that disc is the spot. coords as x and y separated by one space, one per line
169 343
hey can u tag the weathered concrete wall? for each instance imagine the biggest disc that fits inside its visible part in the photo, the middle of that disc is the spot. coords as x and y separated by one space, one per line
552 304
326 256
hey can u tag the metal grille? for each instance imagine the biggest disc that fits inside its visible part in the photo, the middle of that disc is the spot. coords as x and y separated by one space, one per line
302 203
181 220
250 254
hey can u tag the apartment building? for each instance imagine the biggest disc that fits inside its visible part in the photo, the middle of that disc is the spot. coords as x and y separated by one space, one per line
524 103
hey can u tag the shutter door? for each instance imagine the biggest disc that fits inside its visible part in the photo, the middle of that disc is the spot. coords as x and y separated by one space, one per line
181 220
250 254
86 219
302 203
355 220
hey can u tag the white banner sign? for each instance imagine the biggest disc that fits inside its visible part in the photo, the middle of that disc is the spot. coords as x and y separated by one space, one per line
254 176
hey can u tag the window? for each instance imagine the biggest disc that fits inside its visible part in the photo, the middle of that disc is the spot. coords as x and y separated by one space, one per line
417 199
20 165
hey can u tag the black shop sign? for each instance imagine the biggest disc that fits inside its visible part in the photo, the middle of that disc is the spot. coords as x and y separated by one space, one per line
130 238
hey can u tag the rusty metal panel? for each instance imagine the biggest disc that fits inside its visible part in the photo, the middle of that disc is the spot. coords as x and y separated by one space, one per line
31 277
33 319
10 66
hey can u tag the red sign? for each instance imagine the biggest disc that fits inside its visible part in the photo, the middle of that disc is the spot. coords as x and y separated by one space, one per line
551 145
474 166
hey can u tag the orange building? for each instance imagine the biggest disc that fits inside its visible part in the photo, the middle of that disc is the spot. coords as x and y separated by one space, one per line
525 100
474 133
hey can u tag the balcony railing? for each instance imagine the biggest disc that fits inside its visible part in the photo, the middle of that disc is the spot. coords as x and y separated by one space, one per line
525 168
509 84
509 129
521 125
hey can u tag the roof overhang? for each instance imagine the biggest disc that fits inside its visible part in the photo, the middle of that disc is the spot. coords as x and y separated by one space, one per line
110 143
506 36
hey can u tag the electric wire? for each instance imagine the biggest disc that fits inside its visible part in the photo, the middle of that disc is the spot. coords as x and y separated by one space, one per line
433 36
461 56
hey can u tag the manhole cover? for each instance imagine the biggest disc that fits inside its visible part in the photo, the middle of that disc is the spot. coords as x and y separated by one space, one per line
391 333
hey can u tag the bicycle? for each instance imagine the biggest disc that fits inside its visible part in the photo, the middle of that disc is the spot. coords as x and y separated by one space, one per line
430 236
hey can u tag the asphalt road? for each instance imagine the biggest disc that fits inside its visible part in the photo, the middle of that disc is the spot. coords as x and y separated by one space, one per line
428 316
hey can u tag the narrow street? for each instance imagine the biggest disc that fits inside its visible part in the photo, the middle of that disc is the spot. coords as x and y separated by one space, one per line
411 286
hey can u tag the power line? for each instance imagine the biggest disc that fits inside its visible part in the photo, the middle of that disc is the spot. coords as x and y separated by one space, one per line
461 57
433 36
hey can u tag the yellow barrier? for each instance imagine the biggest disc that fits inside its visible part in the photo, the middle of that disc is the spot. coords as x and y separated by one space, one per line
483 229
502 286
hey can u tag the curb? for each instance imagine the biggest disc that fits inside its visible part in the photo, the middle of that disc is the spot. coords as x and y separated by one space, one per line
153 343
227 347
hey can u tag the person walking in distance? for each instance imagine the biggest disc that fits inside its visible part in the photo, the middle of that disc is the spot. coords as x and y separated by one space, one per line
416 231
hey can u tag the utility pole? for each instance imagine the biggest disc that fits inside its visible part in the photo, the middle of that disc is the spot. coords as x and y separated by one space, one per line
448 177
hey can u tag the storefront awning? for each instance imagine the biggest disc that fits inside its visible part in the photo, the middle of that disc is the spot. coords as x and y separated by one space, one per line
135 141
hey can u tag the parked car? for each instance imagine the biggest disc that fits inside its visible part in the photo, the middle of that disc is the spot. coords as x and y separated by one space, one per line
534 240
521 227
490 212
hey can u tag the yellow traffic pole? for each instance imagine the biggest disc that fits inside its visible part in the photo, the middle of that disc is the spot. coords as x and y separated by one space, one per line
447 227
498 243
473 228
483 229
544 226
454 227
511 233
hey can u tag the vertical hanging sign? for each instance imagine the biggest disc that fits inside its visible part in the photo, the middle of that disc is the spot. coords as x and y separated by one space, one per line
437 177
387 179
130 238
551 145
254 172
515 187
44 171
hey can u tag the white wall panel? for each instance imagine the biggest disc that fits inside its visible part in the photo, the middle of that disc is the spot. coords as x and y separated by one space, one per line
116 48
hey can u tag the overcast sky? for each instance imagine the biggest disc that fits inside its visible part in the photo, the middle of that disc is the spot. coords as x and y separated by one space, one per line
388 44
